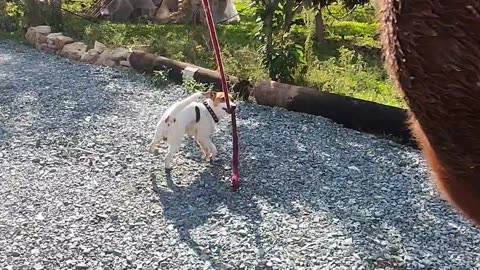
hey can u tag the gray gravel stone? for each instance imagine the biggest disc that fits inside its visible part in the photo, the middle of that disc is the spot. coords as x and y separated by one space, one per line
75 185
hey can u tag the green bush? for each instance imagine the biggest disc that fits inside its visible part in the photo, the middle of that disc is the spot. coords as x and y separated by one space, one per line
347 63
350 75
12 15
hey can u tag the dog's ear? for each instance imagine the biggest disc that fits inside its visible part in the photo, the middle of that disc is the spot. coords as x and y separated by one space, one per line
209 94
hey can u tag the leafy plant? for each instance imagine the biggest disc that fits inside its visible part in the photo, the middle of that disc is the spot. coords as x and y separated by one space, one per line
285 58
350 75
160 78
191 86
11 15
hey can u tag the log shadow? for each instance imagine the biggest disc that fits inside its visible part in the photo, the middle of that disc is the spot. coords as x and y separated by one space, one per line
379 191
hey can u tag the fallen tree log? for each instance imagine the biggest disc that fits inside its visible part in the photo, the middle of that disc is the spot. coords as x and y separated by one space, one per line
352 113
147 62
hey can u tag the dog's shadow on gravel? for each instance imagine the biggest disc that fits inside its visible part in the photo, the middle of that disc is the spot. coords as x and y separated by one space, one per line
207 199
375 193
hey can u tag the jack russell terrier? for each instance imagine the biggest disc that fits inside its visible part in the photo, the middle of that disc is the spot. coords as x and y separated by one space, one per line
193 118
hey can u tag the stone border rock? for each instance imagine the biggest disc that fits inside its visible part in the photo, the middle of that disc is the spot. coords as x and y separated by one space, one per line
353 113
42 38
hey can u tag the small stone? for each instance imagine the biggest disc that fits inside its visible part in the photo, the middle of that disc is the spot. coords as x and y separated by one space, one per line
15 254
81 266
129 259
114 252
348 241
355 168
38 266
39 217
101 216
243 232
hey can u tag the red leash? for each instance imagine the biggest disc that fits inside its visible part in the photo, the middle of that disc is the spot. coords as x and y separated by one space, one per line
218 57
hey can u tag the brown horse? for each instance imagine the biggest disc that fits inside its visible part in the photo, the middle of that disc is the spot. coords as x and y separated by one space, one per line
432 50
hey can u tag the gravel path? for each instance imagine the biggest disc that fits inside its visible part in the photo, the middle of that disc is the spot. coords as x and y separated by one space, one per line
75 188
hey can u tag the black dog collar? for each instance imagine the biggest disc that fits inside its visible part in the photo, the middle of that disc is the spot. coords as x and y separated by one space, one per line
212 113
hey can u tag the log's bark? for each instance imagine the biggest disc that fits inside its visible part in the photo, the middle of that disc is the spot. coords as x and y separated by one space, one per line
431 50
352 113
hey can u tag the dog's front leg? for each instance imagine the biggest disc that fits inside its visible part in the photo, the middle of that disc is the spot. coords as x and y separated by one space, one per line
172 150
213 150
203 148
209 149
155 139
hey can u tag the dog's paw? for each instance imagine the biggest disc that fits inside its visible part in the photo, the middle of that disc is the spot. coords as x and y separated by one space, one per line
168 168
152 148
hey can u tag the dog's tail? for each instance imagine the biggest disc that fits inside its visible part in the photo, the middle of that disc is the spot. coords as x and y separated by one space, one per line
180 105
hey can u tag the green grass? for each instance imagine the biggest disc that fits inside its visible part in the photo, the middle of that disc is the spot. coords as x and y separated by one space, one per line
348 63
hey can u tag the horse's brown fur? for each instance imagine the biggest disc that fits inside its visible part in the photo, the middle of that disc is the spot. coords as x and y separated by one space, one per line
432 50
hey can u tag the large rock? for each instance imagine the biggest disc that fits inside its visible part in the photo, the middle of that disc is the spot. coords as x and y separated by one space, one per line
57 41
61 41
44 47
90 57
119 54
74 50
99 47
52 36
52 40
37 35
43 29
104 59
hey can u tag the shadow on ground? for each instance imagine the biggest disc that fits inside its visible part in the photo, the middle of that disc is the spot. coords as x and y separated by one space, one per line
378 194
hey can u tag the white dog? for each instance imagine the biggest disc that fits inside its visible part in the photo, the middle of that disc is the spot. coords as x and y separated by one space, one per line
193 118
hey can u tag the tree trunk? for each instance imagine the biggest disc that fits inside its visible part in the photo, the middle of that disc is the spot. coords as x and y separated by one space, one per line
33 13
289 13
269 38
319 26
54 13
44 13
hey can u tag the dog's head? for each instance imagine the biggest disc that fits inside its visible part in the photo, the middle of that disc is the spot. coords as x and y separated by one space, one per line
217 101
